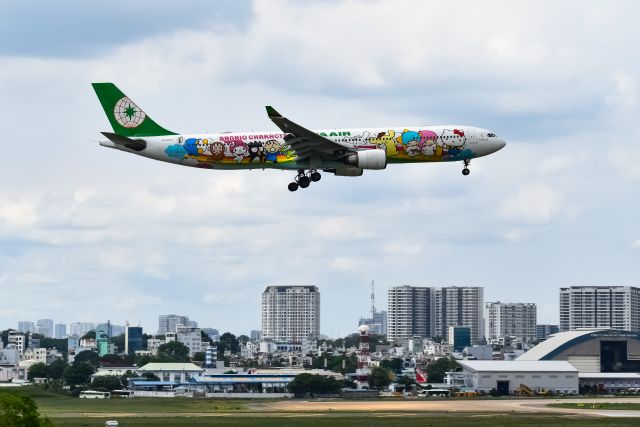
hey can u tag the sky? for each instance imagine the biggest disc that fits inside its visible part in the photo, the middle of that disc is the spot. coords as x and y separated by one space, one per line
92 234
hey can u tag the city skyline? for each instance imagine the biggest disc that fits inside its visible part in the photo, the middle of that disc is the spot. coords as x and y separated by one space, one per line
168 322
93 234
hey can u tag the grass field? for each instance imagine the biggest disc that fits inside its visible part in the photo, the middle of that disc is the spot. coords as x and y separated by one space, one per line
50 403
606 406
360 421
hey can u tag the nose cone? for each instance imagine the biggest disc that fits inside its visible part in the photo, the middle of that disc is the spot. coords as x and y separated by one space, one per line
497 144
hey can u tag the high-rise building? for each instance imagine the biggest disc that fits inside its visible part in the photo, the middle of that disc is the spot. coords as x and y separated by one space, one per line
543 331
459 306
132 339
45 327
255 335
26 326
191 337
614 307
103 335
428 312
410 312
290 313
18 339
73 342
211 357
81 328
511 319
169 322
60 330
459 337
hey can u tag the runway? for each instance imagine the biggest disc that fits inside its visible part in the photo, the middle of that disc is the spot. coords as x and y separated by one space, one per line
506 406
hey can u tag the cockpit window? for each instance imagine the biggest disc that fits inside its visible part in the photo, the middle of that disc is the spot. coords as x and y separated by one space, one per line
491 135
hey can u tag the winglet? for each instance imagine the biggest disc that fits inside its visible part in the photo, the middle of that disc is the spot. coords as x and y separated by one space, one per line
272 112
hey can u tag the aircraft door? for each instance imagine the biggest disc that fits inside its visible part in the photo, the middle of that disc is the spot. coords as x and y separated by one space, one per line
472 136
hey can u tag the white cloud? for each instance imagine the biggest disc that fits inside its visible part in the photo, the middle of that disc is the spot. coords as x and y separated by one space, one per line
98 222
536 203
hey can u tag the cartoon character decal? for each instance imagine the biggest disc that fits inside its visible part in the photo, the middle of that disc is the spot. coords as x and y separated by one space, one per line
256 151
385 141
238 150
410 140
453 140
217 149
191 146
272 149
428 142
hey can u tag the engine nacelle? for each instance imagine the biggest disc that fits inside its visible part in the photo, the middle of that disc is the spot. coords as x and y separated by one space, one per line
368 159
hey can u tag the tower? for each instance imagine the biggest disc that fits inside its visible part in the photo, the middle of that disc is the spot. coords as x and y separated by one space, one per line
364 358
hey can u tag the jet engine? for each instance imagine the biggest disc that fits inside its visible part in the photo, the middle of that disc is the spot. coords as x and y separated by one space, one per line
368 159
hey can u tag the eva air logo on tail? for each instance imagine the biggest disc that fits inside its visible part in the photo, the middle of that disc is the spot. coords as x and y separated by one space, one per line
128 114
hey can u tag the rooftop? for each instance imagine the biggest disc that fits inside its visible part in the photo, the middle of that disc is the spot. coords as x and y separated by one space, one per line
170 367
518 366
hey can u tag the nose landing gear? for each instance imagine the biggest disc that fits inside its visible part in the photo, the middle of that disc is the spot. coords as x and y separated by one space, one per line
466 170
303 180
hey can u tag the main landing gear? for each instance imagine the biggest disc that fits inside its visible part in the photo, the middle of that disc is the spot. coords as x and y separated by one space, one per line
466 170
303 180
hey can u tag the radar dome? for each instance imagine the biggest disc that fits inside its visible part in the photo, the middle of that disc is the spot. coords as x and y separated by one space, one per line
363 329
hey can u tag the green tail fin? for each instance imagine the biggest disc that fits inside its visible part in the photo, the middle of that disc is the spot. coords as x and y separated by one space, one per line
126 118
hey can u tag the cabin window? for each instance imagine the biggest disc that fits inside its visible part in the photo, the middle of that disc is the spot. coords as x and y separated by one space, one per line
491 135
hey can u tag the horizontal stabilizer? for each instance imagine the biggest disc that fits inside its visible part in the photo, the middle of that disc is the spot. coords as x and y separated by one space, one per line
133 144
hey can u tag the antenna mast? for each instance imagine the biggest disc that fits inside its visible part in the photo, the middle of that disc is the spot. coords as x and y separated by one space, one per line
373 301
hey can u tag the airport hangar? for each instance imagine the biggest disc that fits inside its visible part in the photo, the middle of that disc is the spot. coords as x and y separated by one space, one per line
606 359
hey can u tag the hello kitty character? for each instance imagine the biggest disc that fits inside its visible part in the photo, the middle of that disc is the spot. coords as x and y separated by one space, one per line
238 150
453 140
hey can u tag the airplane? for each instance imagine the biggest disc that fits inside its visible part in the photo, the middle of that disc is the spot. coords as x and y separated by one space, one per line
342 152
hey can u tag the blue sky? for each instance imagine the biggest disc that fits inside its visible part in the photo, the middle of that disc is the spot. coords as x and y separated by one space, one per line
90 234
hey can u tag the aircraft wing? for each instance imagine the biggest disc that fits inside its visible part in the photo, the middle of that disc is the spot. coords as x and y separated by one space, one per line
307 143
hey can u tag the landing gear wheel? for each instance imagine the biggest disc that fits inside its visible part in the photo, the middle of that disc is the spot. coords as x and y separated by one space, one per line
466 171
315 176
292 186
304 182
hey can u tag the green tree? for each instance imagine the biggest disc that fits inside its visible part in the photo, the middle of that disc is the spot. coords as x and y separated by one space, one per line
106 383
124 379
243 339
380 377
316 384
405 380
198 357
436 370
141 360
115 360
17 410
78 373
46 342
91 335
56 369
335 363
118 341
87 356
37 370
228 341
173 351
394 365
150 376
